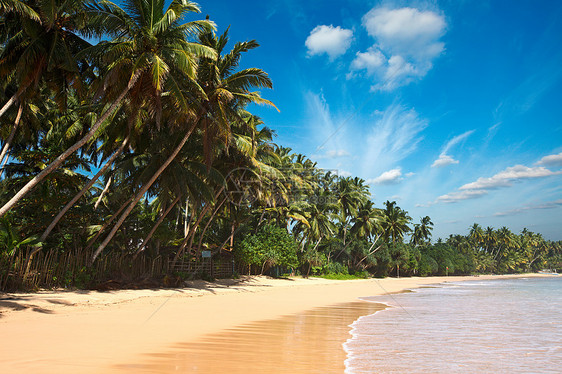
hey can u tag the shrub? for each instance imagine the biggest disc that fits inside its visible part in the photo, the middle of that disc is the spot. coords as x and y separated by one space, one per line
271 246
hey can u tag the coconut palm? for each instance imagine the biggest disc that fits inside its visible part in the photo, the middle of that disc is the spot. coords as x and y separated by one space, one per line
476 234
223 93
43 51
151 49
396 222
422 231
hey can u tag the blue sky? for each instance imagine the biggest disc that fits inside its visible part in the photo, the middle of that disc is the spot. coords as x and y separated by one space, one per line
451 108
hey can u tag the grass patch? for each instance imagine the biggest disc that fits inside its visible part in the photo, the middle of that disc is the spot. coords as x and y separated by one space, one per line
341 276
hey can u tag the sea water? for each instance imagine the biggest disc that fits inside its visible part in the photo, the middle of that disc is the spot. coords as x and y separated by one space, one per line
489 326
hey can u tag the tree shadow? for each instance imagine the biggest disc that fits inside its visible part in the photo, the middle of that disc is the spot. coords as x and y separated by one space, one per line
19 303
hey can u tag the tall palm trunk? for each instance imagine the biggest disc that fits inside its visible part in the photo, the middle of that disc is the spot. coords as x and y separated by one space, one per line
153 230
9 140
209 223
369 252
105 189
191 234
143 191
12 100
185 226
71 203
93 240
63 156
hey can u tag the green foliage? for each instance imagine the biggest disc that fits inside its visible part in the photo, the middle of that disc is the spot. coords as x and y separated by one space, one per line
427 265
335 268
269 247
340 276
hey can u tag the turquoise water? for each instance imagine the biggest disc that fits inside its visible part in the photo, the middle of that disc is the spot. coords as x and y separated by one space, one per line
489 326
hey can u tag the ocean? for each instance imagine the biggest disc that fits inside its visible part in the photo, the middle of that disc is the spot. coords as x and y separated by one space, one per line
490 326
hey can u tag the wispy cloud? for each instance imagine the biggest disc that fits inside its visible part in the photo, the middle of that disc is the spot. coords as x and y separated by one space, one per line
510 175
553 160
445 159
505 178
388 177
407 40
333 41
393 136
454 197
331 154
547 205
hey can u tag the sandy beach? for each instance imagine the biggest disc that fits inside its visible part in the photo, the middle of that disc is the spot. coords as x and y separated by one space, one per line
245 325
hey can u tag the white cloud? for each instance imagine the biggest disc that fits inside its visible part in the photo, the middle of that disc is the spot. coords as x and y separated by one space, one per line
331 154
407 42
444 160
453 197
334 41
547 205
555 160
504 178
372 60
508 176
344 173
388 177
407 31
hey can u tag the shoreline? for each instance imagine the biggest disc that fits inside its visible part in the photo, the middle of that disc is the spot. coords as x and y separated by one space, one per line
95 332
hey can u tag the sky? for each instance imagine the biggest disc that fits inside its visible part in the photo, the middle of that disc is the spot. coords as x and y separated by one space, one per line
451 108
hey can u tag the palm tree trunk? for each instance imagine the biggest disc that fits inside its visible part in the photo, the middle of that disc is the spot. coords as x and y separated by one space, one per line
261 220
71 203
9 140
318 242
232 232
209 223
92 241
191 234
185 226
143 191
11 101
63 156
105 189
369 251
153 230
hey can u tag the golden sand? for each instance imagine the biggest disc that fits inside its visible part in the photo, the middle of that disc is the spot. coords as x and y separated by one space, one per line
231 326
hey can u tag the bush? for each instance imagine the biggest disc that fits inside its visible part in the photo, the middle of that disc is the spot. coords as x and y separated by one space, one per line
427 266
271 246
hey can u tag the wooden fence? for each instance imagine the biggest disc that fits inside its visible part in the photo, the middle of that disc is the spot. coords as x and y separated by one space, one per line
205 268
52 269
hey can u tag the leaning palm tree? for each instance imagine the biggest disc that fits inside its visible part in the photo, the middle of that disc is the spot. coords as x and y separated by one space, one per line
151 48
222 93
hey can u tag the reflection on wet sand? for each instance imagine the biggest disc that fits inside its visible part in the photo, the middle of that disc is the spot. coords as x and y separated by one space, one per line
308 342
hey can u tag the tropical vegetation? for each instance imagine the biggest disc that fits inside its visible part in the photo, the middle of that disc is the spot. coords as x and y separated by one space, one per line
129 150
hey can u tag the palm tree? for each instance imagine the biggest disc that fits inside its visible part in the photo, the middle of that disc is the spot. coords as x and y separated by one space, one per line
368 223
476 234
223 92
396 222
350 193
490 239
422 231
44 49
150 50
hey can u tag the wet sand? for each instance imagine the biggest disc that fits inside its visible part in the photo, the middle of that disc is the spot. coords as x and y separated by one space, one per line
232 326
307 342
